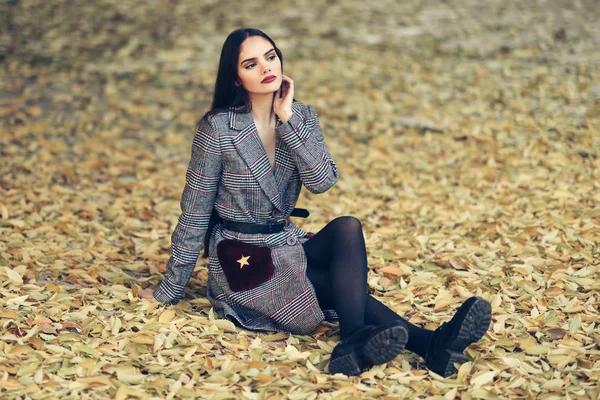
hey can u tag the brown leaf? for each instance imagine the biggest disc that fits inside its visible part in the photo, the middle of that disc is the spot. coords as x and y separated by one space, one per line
555 333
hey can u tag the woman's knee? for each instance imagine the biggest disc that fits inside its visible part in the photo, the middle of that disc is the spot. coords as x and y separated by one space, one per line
348 223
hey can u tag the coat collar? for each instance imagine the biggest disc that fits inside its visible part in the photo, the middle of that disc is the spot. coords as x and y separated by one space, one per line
249 146
239 120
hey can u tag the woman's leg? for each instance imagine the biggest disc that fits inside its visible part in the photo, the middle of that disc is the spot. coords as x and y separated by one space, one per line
337 268
375 312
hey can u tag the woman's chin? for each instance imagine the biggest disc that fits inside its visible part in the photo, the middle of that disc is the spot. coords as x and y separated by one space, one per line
264 91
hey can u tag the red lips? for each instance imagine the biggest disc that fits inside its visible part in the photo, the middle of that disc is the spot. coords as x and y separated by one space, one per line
269 79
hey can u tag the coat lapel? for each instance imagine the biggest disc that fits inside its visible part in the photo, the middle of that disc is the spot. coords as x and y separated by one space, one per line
250 148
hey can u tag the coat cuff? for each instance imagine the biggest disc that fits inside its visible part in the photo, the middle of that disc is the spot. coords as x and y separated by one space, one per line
168 292
290 132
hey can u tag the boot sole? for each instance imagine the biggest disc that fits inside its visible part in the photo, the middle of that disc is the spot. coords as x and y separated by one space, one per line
381 348
349 364
475 325
385 345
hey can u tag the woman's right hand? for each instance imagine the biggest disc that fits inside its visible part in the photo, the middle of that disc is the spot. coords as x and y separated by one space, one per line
147 294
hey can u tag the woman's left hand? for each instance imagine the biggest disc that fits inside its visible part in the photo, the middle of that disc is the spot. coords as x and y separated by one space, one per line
282 104
147 294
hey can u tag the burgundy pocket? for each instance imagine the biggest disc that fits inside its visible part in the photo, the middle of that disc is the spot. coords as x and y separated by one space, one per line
245 265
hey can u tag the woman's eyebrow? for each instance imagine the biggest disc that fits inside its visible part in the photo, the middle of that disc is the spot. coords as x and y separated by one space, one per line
254 58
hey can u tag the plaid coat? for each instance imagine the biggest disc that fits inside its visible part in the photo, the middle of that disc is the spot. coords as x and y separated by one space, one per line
229 171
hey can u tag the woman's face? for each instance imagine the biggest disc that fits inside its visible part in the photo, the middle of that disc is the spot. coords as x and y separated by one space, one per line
258 60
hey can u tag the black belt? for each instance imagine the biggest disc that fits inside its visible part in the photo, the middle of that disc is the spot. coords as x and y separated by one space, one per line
272 227
247 227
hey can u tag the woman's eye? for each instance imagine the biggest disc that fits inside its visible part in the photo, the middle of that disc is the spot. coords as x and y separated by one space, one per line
269 58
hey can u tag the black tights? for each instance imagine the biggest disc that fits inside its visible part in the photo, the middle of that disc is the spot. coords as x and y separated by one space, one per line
337 268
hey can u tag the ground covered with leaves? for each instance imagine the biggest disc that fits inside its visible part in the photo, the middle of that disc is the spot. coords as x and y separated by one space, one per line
467 137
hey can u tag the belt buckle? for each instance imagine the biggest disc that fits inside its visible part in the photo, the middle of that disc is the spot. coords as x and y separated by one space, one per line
279 220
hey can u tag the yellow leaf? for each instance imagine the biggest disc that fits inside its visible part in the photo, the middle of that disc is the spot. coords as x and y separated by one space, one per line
262 378
463 371
483 378
8 314
571 342
129 375
409 255
21 349
13 275
575 324
158 343
442 301
121 393
553 384
497 301
391 270
511 362
96 381
188 355
17 222
166 316
142 339
9 384
150 252
537 350
256 364
116 326
33 388
225 324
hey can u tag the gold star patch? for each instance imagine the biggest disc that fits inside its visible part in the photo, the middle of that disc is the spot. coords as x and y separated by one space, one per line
243 261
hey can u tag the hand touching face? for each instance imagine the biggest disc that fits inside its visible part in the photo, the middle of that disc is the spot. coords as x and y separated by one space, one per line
282 104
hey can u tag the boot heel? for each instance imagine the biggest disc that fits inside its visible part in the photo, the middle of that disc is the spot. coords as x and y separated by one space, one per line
348 364
451 358
386 345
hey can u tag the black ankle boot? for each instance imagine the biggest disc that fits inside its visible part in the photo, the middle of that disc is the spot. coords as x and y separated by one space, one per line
448 342
368 346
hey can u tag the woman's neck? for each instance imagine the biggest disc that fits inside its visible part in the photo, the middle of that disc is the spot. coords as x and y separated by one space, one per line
262 107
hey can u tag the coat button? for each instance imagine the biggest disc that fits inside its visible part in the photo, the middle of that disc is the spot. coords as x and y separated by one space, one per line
291 240
277 213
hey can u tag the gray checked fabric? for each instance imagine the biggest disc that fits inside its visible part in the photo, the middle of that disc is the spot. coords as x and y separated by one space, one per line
229 171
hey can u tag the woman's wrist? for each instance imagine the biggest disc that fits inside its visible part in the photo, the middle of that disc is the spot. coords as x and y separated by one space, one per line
285 116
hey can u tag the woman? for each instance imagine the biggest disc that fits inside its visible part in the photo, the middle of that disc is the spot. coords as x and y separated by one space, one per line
251 155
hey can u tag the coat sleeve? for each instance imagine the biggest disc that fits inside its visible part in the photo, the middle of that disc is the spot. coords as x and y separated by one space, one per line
302 133
197 201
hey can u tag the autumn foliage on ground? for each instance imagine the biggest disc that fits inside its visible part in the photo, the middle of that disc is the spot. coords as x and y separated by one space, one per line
467 139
